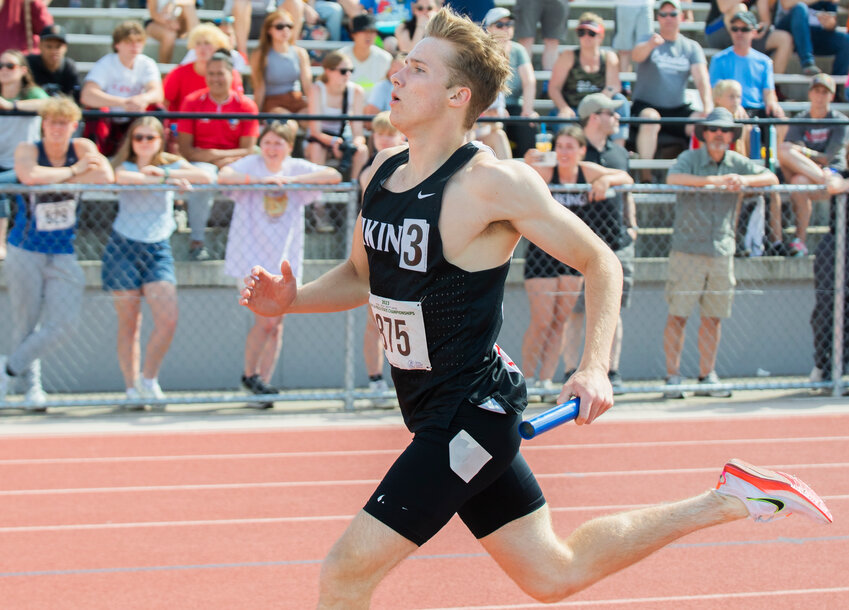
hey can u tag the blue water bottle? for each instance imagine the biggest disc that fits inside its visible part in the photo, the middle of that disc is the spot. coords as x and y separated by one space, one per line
755 142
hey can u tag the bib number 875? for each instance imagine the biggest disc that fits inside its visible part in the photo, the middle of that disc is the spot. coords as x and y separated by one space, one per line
393 333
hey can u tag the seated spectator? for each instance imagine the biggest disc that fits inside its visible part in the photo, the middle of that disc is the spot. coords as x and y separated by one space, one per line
45 282
550 16
326 12
268 228
51 69
522 84
409 32
249 15
203 41
589 70
170 20
633 23
665 62
123 81
768 40
370 61
281 71
701 261
137 260
750 68
381 94
813 154
17 92
213 143
17 30
814 29
225 26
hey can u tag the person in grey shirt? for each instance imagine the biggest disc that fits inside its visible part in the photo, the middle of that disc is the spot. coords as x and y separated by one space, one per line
812 154
701 261
665 62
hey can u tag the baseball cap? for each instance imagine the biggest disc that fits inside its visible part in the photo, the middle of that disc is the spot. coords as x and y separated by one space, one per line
675 3
746 17
54 32
364 22
596 102
823 80
495 14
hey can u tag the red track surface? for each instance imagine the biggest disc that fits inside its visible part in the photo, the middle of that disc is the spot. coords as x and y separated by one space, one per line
242 519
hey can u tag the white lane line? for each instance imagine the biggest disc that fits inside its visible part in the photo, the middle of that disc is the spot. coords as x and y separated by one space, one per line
354 482
272 520
365 452
657 600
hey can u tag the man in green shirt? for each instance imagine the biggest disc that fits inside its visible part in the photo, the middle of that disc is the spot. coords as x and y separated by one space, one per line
701 261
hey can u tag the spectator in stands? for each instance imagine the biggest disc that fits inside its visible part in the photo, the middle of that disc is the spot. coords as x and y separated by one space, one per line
551 17
750 68
409 32
137 260
326 12
813 154
814 29
225 26
493 134
767 40
370 62
701 261
19 30
633 23
213 143
383 135
125 80
665 61
590 70
187 78
44 280
553 287
52 70
170 20
381 94
249 15
615 221
17 92
268 228
522 84
280 69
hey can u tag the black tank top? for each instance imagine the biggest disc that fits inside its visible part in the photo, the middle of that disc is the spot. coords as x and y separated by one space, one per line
438 322
603 217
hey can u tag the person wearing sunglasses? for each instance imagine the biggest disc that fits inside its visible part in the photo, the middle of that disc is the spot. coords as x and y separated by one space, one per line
776 43
409 32
590 69
551 17
701 260
249 15
137 261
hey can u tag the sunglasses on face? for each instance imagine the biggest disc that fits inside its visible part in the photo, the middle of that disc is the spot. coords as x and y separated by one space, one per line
8 65
142 137
503 24
735 28
424 9
722 129
667 13
344 71
283 26
590 33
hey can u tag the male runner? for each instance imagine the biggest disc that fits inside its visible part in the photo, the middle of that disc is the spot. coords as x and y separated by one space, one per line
431 251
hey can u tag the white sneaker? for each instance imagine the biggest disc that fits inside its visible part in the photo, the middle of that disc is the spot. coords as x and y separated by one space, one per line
378 387
36 397
134 394
770 494
4 381
816 374
150 390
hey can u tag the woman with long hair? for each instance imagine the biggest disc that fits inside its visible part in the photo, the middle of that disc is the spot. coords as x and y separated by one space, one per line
280 69
137 261
18 91
553 287
268 228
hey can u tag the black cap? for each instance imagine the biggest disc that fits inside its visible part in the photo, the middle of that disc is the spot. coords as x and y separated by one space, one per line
364 22
54 32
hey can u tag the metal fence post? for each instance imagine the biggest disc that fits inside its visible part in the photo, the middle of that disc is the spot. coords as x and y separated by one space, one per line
839 294
350 349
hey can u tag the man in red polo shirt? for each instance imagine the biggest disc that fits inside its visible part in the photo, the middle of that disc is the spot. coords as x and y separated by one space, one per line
214 143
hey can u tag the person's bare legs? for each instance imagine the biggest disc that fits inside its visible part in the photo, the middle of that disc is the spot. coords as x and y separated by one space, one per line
549 569
128 309
673 343
781 45
167 39
242 24
541 303
800 170
161 297
358 561
568 291
271 350
263 332
647 139
710 331
549 52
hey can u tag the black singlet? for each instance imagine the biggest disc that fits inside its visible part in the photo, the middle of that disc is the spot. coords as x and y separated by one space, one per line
461 311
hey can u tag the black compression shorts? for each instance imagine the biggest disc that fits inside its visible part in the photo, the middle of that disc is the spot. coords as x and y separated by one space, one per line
423 490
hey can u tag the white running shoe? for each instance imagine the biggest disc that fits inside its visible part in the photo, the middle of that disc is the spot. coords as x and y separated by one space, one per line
36 397
134 394
379 387
150 390
770 494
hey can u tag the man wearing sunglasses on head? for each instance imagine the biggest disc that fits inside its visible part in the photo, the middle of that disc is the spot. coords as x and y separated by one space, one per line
701 260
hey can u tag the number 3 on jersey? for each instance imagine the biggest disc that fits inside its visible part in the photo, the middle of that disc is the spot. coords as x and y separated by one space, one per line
401 325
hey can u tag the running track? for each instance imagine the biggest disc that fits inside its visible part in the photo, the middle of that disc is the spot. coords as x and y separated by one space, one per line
241 519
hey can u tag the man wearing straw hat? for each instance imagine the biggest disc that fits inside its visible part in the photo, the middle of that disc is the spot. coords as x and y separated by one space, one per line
701 261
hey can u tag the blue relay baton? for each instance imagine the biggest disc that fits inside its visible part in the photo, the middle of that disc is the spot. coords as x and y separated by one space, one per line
549 419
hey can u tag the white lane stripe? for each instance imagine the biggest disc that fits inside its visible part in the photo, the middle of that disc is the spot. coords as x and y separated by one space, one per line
364 452
334 483
271 520
657 600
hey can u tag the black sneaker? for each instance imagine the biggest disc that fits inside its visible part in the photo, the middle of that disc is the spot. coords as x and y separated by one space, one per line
255 385
776 249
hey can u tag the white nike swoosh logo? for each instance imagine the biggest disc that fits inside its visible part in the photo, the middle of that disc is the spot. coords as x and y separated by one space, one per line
421 196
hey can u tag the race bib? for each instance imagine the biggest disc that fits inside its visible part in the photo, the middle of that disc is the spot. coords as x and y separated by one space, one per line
56 216
401 326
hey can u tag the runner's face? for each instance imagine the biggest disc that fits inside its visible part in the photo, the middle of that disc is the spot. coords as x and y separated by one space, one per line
419 92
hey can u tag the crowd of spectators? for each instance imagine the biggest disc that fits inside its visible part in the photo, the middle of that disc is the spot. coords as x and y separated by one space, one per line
751 41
